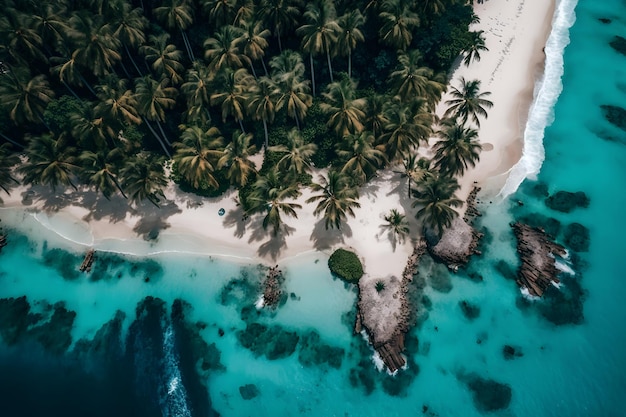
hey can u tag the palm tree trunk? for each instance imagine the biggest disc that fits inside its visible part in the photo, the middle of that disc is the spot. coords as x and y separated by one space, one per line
125 70
8 139
84 81
266 134
264 67
350 63
133 61
330 66
312 73
71 90
163 133
253 71
295 116
156 135
409 186
187 46
241 125
119 187
280 45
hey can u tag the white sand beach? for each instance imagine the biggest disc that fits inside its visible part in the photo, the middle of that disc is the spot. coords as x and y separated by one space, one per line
515 33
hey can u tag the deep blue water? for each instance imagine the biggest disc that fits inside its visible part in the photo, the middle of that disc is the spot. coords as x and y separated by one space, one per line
197 346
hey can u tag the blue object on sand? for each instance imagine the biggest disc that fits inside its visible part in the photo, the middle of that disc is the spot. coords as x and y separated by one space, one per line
221 212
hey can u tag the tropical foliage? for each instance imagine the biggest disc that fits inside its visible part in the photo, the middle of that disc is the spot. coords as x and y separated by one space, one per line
102 94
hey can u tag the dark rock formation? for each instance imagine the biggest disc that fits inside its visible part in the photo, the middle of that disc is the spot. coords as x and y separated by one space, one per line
511 352
505 269
615 115
604 20
488 395
537 270
274 342
249 391
619 44
88 261
314 352
576 236
389 343
551 225
3 241
470 311
460 240
565 201
271 288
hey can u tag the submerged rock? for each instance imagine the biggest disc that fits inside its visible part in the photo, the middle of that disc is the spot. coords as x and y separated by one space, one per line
551 225
511 352
565 201
619 44
273 342
615 115
565 305
576 237
249 391
488 395
470 311
15 318
314 352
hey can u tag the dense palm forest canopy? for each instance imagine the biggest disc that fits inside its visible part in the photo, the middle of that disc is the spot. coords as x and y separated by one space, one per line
106 93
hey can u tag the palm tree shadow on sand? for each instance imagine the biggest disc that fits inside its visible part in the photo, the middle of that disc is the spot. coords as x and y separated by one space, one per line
275 245
235 219
324 239
153 219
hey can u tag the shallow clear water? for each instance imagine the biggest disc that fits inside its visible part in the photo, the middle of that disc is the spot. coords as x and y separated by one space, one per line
573 347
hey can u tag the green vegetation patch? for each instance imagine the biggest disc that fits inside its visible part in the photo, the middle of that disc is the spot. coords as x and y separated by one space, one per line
346 265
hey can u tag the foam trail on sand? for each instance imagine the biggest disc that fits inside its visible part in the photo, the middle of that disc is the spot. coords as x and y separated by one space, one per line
547 91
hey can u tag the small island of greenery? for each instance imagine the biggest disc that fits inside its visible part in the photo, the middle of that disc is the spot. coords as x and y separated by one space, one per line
346 265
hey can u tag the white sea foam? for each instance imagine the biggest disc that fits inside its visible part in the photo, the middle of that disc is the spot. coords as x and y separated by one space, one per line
563 267
175 404
260 303
526 294
547 91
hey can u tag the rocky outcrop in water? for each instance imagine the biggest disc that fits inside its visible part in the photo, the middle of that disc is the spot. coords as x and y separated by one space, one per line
619 44
271 290
387 314
3 241
538 270
458 242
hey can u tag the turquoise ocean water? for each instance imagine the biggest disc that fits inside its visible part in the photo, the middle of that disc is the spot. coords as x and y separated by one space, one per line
197 346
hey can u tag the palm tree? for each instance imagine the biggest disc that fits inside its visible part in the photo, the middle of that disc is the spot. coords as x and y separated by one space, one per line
269 193
68 71
457 150
262 100
23 97
129 27
153 99
294 92
244 12
396 226
416 170
143 178
96 49
406 126
398 23
361 158
230 93
20 39
296 155
468 101
236 158
433 7
117 103
473 50
50 22
49 162
411 80
222 51
253 43
219 12
349 35
197 90
100 168
164 57
177 14
319 34
375 118
437 200
7 161
197 155
280 15
337 199
89 130
346 112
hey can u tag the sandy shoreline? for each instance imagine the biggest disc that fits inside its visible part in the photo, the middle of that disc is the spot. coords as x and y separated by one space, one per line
515 34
